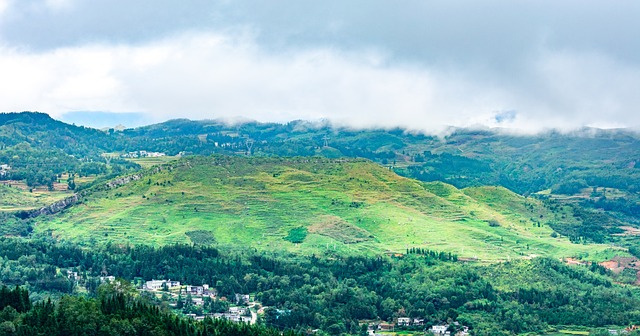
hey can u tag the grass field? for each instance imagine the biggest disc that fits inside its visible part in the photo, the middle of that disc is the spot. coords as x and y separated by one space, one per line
146 162
567 333
17 198
352 206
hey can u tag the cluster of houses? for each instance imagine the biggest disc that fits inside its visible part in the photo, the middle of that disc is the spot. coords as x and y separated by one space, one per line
443 330
407 321
141 154
73 275
404 322
198 293
160 284
235 314
4 168
244 315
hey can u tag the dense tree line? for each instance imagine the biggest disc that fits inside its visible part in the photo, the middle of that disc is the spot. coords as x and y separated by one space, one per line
333 293
114 313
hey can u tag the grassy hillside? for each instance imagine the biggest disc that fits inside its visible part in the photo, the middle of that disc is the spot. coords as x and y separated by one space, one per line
311 205
584 166
16 199
464 157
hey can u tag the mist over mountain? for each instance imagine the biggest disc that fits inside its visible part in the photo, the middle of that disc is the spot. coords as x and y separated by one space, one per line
329 168
423 66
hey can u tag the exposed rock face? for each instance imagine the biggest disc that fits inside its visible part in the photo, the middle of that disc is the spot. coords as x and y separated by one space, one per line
115 183
56 207
71 200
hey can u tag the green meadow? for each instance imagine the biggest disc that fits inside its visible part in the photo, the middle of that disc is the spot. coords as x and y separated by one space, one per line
16 199
312 205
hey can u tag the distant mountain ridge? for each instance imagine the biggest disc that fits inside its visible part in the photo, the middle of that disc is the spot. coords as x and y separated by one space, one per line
40 130
566 164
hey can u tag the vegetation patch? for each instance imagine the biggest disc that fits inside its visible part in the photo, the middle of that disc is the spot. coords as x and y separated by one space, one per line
296 235
201 237
340 230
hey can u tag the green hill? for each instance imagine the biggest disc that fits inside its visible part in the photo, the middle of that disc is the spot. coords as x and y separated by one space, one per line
580 167
40 149
464 157
310 205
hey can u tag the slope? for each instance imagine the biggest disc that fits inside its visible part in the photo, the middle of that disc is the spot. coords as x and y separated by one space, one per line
15 199
317 204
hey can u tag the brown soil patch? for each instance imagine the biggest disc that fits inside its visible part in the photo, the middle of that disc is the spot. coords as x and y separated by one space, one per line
340 230
618 264
572 261
628 231
612 266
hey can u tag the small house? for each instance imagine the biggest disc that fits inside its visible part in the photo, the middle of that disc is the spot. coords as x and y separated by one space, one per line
386 326
159 284
440 330
242 298
404 321
108 278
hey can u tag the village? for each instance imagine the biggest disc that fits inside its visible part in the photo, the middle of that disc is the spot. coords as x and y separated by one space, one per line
4 168
201 301
141 154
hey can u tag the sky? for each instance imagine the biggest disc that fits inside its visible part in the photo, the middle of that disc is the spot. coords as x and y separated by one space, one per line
420 64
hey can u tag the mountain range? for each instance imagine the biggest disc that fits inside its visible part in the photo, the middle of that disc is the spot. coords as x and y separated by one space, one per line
314 187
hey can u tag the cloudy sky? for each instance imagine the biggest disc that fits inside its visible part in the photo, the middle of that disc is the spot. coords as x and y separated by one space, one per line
421 64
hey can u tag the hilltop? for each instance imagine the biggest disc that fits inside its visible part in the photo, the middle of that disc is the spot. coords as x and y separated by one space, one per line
563 163
310 205
39 150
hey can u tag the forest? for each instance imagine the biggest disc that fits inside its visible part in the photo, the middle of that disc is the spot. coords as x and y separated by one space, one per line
114 312
333 293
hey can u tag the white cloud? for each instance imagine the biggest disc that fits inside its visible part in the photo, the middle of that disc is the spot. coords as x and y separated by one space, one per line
209 75
4 5
590 87
59 4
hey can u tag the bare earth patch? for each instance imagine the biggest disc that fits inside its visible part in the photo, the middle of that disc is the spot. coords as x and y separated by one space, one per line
340 230
628 231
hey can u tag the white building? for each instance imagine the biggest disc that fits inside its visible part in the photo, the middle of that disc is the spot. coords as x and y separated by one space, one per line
242 298
159 284
73 275
404 321
237 310
4 168
233 317
109 278
440 330
155 154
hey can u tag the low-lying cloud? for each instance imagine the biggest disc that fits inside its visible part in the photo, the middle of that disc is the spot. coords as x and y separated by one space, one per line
210 75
